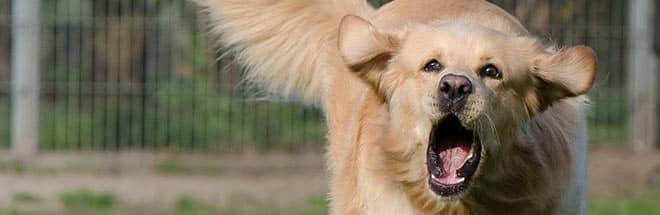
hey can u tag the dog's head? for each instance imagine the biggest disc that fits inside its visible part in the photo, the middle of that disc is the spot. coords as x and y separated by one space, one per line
457 91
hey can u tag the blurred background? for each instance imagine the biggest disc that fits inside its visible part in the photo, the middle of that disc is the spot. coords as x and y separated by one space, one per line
127 107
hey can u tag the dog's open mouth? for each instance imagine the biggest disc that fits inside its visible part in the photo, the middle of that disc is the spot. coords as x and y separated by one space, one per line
453 156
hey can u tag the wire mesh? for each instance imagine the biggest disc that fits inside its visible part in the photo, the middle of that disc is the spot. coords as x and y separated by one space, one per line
600 25
142 75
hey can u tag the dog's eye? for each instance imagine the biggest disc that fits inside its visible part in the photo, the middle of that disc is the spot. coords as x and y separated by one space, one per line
433 66
491 71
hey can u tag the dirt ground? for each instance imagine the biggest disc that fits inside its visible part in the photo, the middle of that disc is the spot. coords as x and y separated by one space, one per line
158 179
615 171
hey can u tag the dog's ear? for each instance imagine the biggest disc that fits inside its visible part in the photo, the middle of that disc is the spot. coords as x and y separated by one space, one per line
365 49
567 73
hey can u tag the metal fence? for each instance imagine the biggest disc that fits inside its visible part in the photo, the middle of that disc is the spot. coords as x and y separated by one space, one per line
141 74
602 26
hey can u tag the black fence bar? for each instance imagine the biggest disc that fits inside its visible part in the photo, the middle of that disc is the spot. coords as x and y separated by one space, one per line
5 75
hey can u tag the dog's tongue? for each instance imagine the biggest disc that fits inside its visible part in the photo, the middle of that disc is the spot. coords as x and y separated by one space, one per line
453 157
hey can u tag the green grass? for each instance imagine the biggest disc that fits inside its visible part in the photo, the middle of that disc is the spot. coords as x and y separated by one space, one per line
174 167
185 115
4 123
646 203
15 211
314 205
87 200
187 205
604 134
25 197
18 166
607 121
13 166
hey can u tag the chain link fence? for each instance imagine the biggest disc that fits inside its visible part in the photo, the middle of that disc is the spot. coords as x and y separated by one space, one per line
143 75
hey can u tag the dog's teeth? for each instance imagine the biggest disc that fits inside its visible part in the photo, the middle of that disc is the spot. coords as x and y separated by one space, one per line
461 180
433 177
470 156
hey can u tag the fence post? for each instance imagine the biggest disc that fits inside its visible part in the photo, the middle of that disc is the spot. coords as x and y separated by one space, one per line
25 76
642 76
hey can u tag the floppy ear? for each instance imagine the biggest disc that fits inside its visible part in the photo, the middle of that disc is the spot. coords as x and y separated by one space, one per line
365 49
567 73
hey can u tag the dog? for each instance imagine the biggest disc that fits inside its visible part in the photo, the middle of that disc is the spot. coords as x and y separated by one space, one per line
433 106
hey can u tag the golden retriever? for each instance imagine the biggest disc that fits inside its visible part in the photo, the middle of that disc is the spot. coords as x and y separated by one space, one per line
433 106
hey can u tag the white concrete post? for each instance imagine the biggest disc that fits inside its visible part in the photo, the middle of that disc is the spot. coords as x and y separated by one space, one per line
25 76
642 76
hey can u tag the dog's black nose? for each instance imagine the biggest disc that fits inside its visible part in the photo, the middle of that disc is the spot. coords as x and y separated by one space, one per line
454 88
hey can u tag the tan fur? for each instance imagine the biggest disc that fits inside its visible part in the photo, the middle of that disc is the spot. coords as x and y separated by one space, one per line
380 107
